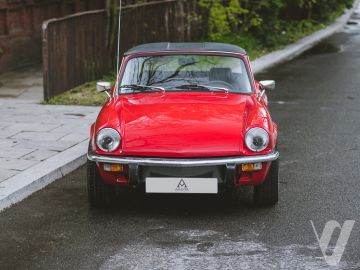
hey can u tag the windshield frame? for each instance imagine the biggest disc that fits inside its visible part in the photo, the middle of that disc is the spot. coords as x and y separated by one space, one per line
164 53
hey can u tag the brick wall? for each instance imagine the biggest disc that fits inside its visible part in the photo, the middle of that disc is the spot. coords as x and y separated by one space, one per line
20 27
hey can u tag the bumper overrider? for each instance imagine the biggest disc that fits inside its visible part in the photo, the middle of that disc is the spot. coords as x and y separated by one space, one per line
134 163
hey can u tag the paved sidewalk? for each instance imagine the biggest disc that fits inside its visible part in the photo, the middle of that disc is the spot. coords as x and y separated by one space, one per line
24 84
31 133
38 143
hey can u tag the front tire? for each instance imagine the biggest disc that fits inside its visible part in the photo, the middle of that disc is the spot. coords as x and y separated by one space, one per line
100 194
267 194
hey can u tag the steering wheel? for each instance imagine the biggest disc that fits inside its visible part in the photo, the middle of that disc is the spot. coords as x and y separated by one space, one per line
221 84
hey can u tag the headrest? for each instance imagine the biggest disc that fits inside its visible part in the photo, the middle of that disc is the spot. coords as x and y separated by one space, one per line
220 74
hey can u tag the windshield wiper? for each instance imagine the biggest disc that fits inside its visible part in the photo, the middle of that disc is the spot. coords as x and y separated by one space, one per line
203 87
139 87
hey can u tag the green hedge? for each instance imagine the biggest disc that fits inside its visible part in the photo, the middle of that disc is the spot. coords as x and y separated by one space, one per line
262 25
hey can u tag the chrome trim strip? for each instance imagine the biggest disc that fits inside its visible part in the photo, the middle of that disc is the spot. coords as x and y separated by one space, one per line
180 162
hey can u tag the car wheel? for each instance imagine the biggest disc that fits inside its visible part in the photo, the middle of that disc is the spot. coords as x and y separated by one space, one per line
267 194
100 194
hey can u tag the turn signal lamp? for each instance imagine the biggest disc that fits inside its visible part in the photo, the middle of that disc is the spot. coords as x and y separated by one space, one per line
251 167
113 167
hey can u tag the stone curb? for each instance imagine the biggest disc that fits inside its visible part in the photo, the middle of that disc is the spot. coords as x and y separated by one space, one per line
37 177
297 48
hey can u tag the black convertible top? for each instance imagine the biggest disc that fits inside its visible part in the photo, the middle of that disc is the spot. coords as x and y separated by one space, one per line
187 46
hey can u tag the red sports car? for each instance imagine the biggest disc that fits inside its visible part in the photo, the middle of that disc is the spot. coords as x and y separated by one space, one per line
184 118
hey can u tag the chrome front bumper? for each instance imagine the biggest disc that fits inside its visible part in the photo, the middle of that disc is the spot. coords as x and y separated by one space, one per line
181 162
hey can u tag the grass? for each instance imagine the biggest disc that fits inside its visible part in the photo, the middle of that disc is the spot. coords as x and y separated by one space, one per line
85 95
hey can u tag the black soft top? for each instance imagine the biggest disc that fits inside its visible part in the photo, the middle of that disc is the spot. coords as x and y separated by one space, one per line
186 46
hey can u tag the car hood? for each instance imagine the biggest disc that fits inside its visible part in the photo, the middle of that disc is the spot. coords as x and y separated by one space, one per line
183 124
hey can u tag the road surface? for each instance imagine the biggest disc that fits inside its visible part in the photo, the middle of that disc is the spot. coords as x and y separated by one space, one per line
317 108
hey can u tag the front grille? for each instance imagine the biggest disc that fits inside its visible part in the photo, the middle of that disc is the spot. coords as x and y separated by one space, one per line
194 172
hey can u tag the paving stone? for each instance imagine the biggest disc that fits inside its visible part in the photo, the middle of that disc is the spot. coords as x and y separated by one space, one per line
5 143
7 133
75 137
5 174
11 152
40 155
30 118
38 127
33 93
46 145
44 136
10 92
83 128
16 164
4 125
21 81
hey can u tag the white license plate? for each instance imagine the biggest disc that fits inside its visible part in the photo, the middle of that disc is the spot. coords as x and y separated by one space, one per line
182 185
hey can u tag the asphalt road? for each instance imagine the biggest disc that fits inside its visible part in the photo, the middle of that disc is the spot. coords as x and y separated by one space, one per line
317 108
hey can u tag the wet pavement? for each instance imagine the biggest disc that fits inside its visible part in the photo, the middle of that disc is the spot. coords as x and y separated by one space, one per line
317 108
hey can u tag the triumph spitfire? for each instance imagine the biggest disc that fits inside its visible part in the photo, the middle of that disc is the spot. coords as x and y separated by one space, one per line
184 118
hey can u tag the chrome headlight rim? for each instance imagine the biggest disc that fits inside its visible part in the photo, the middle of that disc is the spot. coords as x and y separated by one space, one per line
113 139
261 134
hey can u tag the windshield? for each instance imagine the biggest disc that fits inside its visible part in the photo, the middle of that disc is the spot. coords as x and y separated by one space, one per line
185 73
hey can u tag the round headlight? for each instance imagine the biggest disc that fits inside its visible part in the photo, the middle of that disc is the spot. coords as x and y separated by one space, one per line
257 139
108 139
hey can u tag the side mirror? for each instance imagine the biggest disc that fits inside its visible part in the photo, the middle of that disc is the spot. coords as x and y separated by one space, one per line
103 86
268 85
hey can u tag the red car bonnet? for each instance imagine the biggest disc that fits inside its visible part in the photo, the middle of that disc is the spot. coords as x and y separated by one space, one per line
183 124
